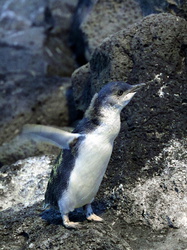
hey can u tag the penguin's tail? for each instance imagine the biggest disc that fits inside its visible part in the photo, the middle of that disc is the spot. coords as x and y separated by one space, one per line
45 206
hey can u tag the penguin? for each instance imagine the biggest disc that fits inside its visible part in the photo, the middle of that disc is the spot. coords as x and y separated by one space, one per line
79 169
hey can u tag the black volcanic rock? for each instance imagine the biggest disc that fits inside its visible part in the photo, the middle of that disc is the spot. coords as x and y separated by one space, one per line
151 146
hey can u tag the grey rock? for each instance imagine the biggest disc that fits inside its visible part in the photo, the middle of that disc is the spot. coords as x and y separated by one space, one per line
156 199
22 147
100 24
176 7
21 42
24 183
91 25
94 24
33 46
57 52
81 83
62 12
148 165
35 100
24 224
31 37
77 37
126 55
142 198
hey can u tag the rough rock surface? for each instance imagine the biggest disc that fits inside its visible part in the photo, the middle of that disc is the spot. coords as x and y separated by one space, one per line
176 7
91 24
24 183
24 224
81 87
157 199
140 53
25 34
98 24
22 147
151 148
118 15
51 104
34 45
59 56
25 44
39 100
142 198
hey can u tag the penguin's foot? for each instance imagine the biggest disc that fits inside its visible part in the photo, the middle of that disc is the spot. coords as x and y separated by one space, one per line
70 224
90 214
94 217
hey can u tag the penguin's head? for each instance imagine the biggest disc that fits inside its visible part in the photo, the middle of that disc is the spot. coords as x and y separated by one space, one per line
117 94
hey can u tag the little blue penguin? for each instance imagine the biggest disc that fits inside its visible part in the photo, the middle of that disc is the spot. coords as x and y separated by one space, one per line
81 165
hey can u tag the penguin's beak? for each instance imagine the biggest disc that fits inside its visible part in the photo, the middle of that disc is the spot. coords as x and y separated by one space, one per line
136 87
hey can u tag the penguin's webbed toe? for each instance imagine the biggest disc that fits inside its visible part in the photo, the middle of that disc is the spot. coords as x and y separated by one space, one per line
70 224
94 217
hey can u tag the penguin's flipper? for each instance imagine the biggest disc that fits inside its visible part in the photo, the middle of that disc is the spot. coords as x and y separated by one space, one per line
51 135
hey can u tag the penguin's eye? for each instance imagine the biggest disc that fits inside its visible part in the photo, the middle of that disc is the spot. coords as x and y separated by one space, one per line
120 92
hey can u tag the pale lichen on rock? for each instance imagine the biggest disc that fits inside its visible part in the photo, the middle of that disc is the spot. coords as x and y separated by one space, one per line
24 183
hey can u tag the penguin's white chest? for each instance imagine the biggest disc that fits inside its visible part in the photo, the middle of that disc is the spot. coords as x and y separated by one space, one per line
87 174
90 166
89 170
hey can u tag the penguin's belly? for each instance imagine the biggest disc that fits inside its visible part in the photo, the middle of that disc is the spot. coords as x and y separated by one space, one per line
87 174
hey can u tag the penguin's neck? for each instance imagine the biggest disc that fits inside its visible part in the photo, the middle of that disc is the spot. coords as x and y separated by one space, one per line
105 119
110 123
